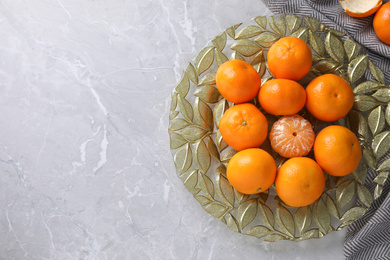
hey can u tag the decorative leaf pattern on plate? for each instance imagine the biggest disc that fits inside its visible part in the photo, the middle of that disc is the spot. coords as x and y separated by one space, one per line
303 218
204 59
209 79
259 231
220 41
366 87
208 94
381 144
345 192
357 67
293 23
203 114
266 39
321 216
266 215
201 155
216 209
365 103
247 212
352 49
232 223
376 72
353 213
384 166
246 47
224 190
183 158
376 120
249 32
382 95
206 185
364 195
191 73
285 221
334 47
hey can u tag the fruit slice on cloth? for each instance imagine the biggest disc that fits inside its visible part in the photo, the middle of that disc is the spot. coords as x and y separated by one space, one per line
381 23
360 8
243 126
282 97
329 97
289 58
299 182
292 136
337 150
238 81
251 171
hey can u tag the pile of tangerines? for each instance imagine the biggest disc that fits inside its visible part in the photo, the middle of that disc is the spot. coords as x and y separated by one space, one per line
300 180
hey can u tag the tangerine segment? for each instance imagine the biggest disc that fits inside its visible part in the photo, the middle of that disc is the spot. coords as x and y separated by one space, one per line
289 58
292 136
243 126
251 171
299 181
381 23
337 150
238 81
329 97
282 97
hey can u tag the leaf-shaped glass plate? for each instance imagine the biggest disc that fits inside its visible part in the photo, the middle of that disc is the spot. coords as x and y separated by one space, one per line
201 155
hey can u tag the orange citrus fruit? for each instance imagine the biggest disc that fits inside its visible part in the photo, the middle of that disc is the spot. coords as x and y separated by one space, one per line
299 181
282 97
329 97
243 126
251 171
289 58
381 23
361 8
337 150
238 81
292 136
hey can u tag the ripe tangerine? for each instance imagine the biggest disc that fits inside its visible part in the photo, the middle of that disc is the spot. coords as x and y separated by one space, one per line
329 97
243 126
299 181
238 81
251 171
337 150
282 97
289 58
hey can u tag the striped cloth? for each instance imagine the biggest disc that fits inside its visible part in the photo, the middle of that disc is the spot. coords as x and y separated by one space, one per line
369 236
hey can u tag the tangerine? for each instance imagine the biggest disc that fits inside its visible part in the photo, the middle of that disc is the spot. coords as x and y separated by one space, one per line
337 150
299 181
282 97
329 97
251 171
238 81
243 126
381 23
292 136
289 58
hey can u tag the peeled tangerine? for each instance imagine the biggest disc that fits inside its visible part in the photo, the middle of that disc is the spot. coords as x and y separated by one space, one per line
361 8
292 136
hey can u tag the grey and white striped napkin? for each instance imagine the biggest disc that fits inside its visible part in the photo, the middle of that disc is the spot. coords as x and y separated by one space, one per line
369 236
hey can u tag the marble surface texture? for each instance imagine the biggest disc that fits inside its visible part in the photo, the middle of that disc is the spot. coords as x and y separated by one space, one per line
86 169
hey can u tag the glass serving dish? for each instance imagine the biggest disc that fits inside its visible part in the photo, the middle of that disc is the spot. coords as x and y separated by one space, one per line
201 155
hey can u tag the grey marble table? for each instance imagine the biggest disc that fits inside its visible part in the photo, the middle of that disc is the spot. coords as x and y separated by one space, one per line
86 169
